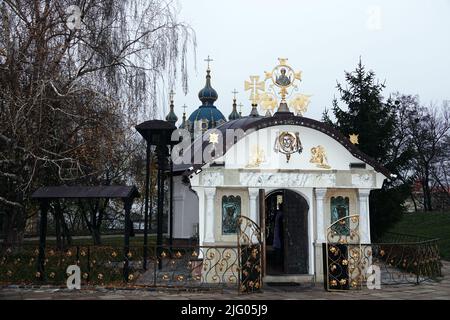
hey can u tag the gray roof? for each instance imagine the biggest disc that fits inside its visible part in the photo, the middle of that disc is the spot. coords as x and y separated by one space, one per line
257 123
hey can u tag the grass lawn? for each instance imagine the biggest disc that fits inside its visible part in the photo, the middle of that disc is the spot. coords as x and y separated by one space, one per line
427 224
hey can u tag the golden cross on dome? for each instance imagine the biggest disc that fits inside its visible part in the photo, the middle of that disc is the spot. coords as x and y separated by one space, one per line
234 92
254 85
184 108
240 105
208 60
171 95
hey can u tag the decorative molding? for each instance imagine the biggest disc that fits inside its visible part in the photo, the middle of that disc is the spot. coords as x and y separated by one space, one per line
362 180
363 193
285 179
253 193
320 193
210 192
212 179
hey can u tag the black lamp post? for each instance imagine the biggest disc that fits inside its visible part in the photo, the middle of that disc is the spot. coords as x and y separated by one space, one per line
156 133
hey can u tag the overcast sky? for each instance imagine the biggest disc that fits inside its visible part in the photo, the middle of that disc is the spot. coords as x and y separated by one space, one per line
406 43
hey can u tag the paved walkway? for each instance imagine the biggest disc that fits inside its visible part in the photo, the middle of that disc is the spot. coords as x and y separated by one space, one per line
427 290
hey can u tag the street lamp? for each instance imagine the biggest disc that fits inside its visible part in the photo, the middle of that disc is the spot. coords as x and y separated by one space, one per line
157 133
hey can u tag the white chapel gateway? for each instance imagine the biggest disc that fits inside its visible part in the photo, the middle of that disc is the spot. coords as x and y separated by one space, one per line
293 175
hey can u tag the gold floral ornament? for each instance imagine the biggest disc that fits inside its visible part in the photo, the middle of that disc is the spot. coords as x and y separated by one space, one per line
163 254
342 282
83 253
85 275
113 254
37 274
319 157
300 103
100 276
52 275
129 254
333 283
344 262
268 103
178 254
257 157
130 277
68 253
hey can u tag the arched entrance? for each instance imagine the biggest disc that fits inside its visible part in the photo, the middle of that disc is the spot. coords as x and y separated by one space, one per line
286 233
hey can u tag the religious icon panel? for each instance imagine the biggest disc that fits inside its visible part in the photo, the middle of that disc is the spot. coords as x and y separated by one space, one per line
231 210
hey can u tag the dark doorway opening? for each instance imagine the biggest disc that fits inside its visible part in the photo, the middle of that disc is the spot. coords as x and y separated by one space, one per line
286 234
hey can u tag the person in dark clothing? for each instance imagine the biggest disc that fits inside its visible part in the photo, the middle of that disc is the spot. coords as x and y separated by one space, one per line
278 241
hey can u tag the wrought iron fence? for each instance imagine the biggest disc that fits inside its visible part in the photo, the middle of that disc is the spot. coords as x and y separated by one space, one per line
176 266
406 262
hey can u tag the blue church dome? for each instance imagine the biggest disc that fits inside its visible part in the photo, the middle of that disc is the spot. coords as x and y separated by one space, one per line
207 111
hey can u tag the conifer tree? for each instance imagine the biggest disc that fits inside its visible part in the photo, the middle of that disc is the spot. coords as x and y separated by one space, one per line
364 112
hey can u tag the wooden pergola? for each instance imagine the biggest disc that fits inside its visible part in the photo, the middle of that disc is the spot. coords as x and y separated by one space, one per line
46 195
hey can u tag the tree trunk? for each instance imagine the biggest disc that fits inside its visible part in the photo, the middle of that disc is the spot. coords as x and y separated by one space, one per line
13 227
96 236
56 214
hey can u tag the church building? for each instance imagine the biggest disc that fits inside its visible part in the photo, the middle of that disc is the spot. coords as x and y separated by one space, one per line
292 175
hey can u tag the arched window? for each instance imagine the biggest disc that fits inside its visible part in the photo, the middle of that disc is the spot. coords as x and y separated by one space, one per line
339 208
231 210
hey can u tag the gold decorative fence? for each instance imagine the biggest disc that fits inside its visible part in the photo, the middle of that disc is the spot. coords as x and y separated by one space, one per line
343 255
250 255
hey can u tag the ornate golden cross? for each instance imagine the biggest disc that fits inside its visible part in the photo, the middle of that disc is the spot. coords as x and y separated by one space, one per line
254 85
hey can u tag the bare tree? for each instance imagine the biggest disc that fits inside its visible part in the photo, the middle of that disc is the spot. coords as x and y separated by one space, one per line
70 92
428 129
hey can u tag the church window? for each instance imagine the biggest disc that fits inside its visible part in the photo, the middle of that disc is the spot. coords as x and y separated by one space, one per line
339 208
231 210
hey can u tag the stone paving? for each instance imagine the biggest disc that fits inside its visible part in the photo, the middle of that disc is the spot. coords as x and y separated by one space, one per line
435 290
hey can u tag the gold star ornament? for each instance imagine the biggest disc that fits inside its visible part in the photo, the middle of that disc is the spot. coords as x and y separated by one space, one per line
213 138
354 138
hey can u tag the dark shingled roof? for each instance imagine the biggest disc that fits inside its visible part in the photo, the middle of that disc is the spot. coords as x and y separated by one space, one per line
124 192
257 123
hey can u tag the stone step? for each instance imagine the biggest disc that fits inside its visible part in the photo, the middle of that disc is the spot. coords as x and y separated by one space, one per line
289 278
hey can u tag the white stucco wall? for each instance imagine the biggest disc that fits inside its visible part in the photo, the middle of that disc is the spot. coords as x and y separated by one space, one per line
339 158
185 213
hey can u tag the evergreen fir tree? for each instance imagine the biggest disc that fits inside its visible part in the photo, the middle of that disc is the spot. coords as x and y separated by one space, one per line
374 120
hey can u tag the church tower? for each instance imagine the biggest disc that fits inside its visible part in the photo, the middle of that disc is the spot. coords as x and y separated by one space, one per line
234 114
171 116
207 116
